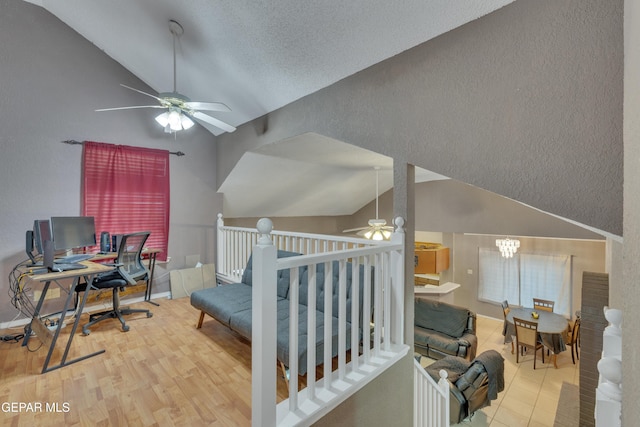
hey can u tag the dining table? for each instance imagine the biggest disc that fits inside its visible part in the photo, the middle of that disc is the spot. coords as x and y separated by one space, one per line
552 328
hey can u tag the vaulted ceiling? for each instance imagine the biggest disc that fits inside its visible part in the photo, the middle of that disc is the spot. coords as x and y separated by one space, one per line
257 56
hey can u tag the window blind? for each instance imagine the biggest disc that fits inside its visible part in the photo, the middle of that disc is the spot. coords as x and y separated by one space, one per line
127 190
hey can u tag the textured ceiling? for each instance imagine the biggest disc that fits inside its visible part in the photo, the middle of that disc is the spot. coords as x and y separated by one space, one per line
257 56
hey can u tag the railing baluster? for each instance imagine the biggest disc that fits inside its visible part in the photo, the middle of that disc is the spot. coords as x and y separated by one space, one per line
377 307
311 332
355 314
328 309
366 310
342 319
293 338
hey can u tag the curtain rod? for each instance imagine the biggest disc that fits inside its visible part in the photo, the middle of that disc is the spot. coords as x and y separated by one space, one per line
74 142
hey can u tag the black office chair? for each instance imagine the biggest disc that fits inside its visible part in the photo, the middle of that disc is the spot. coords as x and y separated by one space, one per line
129 270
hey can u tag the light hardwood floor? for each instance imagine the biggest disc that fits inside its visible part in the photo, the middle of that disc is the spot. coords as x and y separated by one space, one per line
165 372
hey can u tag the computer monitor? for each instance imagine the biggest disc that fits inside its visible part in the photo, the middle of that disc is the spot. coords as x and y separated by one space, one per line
41 232
69 232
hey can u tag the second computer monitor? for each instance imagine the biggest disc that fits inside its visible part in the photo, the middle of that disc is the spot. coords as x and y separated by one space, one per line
70 232
41 232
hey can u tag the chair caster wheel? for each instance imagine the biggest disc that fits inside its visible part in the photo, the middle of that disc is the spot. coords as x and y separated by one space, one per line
86 332
125 328
149 314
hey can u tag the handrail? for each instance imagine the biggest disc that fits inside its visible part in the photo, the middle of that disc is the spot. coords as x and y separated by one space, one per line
381 342
431 399
235 245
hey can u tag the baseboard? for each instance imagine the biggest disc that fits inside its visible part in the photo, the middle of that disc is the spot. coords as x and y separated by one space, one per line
87 309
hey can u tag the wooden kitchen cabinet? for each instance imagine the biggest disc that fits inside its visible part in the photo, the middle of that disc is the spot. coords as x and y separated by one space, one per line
431 258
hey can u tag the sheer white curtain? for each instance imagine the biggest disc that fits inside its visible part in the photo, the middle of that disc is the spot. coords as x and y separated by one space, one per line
499 277
546 277
524 277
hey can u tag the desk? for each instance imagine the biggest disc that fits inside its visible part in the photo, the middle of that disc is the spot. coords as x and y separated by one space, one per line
49 337
552 328
151 254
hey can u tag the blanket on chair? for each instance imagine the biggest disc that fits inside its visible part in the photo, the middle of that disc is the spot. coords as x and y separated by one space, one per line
493 363
454 365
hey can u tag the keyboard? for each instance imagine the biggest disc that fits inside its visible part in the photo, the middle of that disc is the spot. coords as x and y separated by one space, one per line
68 266
71 259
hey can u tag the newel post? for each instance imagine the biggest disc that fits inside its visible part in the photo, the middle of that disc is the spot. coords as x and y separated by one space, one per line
264 330
397 283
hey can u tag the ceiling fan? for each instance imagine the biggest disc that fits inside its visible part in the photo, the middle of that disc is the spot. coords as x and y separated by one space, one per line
377 228
180 109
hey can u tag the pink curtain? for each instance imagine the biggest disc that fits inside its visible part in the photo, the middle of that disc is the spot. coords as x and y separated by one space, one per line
126 189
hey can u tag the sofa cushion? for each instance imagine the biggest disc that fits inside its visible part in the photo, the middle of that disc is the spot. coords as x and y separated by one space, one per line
335 273
283 275
241 323
437 341
441 317
303 325
221 302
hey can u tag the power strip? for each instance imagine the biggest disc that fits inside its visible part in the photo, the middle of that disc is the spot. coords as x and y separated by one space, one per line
54 326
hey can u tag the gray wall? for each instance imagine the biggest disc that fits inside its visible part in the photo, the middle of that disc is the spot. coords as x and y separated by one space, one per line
51 81
525 102
629 295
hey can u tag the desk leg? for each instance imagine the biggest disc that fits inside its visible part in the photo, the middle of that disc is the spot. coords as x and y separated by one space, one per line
36 314
64 362
152 269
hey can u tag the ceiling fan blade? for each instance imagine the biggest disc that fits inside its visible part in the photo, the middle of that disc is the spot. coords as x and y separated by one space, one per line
129 108
351 230
139 91
213 121
207 106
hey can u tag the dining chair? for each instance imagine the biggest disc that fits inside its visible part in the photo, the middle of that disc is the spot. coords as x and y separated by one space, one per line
505 310
543 304
527 338
573 340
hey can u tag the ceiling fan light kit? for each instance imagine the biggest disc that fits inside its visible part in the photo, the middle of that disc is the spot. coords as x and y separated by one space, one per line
378 228
180 109
173 120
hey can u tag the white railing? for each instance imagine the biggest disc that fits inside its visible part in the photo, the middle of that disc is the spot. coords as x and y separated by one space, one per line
236 243
381 340
608 408
431 399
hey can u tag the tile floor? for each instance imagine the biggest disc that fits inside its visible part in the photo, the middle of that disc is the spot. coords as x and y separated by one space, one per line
530 398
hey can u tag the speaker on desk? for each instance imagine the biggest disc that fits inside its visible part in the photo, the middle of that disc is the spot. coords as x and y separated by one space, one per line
115 242
105 242
29 242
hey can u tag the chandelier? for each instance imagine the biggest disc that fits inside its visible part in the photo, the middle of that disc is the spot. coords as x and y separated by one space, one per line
508 246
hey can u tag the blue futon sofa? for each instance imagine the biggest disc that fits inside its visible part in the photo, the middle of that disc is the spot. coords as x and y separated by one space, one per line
231 305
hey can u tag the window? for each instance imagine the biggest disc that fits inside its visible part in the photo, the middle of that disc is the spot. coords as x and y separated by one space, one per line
126 189
524 277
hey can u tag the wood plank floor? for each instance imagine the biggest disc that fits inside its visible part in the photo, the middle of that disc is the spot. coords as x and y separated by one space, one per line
163 372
